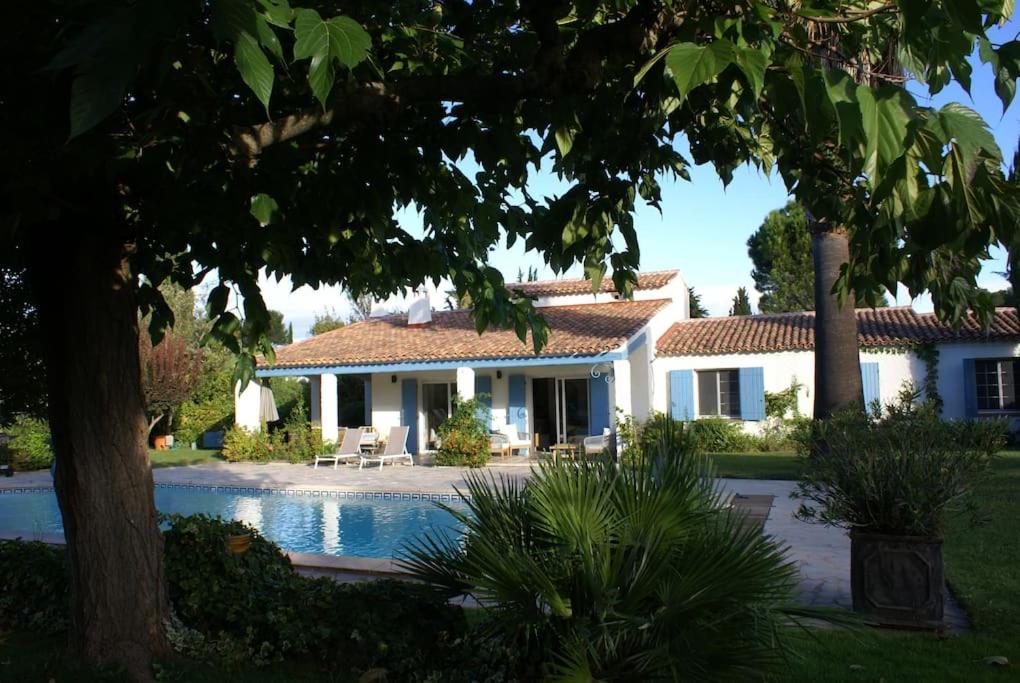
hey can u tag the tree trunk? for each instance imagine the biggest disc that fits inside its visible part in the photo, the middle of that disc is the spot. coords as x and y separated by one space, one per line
837 362
103 479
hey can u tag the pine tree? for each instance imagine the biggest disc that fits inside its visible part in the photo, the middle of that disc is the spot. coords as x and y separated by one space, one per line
741 303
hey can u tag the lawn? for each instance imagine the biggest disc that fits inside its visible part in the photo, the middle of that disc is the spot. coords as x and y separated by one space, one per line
184 456
756 465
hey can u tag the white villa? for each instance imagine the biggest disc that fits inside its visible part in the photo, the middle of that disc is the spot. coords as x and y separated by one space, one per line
608 357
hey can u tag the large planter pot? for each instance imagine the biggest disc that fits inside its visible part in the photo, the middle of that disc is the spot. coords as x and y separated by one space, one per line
897 580
159 443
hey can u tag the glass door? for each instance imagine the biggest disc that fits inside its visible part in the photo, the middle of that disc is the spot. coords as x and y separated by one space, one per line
438 404
571 410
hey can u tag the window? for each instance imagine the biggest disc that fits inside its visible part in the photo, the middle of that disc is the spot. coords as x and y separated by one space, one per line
719 393
996 382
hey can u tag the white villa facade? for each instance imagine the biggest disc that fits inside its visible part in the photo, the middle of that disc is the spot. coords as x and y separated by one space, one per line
608 357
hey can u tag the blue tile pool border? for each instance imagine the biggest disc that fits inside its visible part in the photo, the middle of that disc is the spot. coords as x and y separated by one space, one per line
311 493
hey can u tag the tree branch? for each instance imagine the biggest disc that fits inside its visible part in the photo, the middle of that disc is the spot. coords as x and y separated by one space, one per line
634 35
888 8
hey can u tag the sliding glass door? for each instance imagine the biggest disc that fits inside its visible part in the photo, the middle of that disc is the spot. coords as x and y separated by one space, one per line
572 410
437 400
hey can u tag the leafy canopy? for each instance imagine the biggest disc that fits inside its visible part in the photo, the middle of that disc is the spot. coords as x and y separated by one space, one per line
265 135
780 250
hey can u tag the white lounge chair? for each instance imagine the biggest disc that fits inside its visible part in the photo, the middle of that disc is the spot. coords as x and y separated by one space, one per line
350 449
517 441
396 447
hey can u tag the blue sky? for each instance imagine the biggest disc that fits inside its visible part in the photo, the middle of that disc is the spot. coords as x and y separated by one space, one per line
703 227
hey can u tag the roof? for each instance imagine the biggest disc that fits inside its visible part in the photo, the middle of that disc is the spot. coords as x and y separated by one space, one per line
577 330
651 280
897 326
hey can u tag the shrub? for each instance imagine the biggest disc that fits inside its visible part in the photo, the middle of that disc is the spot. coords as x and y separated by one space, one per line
257 608
718 435
592 572
464 439
30 447
899 473
240 445
33 587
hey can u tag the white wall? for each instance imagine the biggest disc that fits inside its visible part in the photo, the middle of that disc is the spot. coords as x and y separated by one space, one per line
781 368
951 378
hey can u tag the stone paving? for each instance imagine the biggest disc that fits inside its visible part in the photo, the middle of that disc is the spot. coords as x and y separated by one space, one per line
821 553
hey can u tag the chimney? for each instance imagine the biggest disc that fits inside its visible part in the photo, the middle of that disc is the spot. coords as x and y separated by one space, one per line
419 313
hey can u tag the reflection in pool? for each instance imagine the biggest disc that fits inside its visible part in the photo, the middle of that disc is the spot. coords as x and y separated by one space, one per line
300 523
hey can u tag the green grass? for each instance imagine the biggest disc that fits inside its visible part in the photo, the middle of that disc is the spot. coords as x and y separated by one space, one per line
983 569
756 465
184 456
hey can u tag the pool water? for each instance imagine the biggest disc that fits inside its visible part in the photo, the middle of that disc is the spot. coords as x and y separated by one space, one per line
299 523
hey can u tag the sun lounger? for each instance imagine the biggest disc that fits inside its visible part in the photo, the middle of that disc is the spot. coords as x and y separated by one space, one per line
396 448
350 449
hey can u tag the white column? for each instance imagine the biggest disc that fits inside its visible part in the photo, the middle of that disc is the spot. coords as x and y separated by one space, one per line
330 407
622 395
246 405
466 383
316 408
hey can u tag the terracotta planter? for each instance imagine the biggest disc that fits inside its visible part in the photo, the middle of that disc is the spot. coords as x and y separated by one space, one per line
159 443
898 580
238 545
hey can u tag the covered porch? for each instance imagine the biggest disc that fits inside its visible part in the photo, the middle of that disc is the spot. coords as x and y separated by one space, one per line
539 402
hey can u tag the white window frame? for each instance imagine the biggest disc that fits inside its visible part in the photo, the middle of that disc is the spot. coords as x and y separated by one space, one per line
998 379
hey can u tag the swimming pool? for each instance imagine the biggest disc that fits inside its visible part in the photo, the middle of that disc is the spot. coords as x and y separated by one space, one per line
361 525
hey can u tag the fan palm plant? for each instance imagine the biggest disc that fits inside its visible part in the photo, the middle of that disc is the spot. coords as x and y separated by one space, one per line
594 572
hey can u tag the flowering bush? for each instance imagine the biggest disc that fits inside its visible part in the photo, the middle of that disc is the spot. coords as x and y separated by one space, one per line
463 438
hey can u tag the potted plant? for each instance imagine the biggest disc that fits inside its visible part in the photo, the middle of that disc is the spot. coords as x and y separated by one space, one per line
891 479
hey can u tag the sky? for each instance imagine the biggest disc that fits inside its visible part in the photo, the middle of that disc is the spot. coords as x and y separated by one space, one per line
703 227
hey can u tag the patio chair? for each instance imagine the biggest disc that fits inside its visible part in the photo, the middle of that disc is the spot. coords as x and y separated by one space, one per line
396 448
499 444
517 441
595 445
350 449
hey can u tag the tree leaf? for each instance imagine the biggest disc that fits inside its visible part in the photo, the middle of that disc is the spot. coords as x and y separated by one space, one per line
752 62
321 77
310 36
885 114
263 208
693 65
277 12
254 67
349 42
97 93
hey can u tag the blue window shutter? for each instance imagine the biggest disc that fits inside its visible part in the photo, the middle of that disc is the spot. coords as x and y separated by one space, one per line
752 394
368 400
969 388
681 394
598 405
869 381
483 391
517 405
409 412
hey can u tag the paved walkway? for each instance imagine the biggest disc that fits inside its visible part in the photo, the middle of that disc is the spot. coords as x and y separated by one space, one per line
821 553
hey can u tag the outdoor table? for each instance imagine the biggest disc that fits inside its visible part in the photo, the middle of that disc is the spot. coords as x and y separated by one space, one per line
567 449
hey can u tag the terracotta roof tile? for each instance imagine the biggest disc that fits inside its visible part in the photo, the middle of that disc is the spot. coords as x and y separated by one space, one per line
650 280
574 330
899 326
